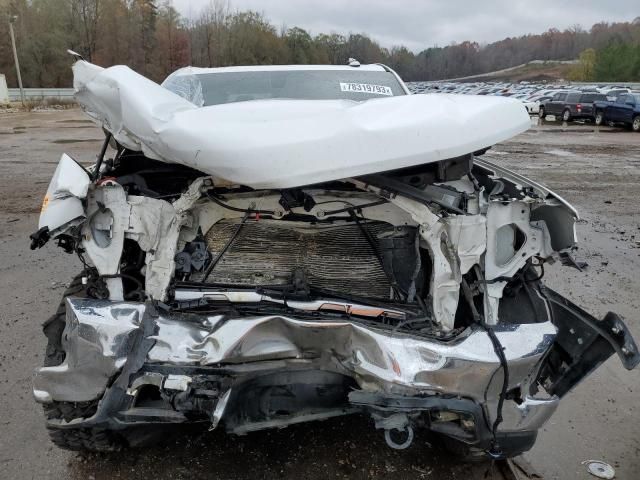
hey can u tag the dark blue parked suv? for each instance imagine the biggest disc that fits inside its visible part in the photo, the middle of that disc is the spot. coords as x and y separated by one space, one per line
625 109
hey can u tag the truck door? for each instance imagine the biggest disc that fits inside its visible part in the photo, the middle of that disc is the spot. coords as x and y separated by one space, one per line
554 107
616 110
628 109
586 103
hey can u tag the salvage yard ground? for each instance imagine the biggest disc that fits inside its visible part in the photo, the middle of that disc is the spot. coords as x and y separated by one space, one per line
598 170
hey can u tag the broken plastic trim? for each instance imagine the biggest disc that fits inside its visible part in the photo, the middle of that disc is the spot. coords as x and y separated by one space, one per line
388 403
445 200
243 296
582 344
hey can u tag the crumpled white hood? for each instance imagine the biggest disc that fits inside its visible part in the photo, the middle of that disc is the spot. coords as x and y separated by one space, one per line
289 143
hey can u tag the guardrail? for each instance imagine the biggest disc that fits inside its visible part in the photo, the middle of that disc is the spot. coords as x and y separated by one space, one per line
40 93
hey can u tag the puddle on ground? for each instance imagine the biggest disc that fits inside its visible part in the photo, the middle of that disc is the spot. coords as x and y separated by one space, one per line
67 140
74 121
25 162
560 153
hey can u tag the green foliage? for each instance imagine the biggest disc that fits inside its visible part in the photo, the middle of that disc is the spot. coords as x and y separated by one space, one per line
300 46
252 40
618 61
583 71
333 47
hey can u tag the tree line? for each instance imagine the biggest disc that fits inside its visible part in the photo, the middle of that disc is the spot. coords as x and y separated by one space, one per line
152 37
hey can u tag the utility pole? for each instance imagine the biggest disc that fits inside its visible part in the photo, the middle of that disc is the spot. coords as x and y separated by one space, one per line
12 19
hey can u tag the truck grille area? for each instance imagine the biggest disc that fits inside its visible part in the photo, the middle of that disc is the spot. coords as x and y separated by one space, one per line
267 252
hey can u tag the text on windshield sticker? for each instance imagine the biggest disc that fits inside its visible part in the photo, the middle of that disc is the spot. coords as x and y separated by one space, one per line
365 88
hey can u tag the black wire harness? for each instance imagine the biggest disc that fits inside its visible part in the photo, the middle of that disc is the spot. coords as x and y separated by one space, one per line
495 451
216 260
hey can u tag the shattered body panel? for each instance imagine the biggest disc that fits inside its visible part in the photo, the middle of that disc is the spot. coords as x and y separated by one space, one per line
261 143
380 360
372 264
390 364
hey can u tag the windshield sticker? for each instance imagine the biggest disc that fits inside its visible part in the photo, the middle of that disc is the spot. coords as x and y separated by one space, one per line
365 88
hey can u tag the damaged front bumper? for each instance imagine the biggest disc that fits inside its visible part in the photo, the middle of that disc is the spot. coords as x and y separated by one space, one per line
259 372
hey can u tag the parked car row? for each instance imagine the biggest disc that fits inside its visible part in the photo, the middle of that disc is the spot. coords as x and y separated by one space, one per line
610 104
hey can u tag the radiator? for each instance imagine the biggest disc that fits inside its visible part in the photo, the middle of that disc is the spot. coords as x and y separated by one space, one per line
333 257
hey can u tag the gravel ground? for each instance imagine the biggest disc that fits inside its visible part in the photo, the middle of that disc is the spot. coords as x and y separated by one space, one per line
597 170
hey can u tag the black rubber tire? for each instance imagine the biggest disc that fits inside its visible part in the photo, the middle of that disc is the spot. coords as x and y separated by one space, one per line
86 439
541 113
54 325
77 439
635 123
599 119
566 115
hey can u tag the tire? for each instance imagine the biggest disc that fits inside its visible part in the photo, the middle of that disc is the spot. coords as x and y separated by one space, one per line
599 119
86 439
541 113
54 325
566 115
76 439
635 124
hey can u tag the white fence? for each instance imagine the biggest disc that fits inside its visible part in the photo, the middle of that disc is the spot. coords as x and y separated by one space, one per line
4 91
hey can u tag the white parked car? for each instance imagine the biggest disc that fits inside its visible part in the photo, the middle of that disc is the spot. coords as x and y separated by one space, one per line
532 107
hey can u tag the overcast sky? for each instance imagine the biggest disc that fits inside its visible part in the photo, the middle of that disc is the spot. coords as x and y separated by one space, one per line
418 24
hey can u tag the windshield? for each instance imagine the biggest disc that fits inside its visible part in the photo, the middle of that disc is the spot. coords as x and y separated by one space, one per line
227 87
592 97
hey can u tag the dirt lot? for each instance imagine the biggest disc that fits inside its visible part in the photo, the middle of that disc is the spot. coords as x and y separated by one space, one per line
598 171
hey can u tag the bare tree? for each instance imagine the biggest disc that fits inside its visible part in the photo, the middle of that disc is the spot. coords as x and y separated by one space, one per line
85 16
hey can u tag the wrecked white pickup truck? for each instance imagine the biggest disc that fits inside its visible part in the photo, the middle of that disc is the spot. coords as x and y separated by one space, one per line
264 246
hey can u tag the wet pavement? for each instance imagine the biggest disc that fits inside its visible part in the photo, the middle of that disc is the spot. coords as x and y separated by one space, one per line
598 170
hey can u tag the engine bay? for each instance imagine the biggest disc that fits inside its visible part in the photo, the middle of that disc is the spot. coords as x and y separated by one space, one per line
406 240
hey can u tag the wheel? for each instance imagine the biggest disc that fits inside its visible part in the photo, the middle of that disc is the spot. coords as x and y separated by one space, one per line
635 125
541 113
599 118
78 439
566 115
